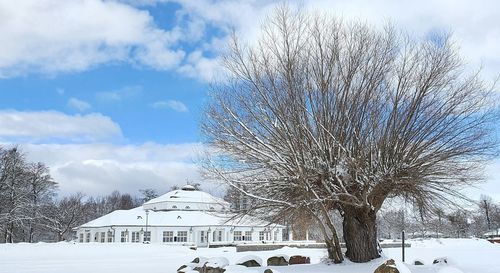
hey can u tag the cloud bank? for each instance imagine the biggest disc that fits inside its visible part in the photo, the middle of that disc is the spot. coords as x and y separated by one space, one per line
50 126
54 36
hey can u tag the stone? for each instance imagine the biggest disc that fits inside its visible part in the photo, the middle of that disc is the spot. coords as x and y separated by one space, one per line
196 260
182 268
277 261
418 262
215 265
388 266
268 271
193 248
199 269
442 260
250 263
209 269
297 259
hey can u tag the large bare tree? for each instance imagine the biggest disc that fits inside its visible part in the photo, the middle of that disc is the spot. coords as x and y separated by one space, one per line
320 114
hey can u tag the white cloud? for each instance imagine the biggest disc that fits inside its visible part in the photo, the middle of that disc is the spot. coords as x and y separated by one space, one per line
59 36
41 126
62 36
79 105
172 104
120 94
474 24
199 66
98 169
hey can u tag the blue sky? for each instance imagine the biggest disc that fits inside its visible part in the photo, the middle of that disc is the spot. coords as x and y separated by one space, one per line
109 93
136 99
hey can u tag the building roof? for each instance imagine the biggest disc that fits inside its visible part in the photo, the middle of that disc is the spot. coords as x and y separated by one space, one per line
187 198
186 207
495 232
137 217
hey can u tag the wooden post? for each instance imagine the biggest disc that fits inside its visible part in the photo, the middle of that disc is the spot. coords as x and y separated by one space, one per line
403 245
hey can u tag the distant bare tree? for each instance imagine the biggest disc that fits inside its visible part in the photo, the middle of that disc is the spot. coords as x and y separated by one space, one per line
65 215
42 190
148 194
486 204
321 115
14 192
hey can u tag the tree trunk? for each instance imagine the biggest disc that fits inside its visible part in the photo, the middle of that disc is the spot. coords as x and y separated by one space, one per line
360 234
334 251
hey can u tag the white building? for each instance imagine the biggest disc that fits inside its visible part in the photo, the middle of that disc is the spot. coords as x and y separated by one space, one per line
185 216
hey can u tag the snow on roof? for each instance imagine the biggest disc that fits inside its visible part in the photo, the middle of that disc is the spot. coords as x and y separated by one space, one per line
137 217
187 195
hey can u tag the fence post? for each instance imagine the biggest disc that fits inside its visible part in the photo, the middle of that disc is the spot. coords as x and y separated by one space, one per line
403 245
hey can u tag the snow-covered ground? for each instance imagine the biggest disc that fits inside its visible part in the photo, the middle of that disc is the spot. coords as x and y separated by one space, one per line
468 255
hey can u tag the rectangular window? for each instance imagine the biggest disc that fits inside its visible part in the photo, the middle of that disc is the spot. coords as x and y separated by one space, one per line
267 236
110 237
248 236
147 236
237 235
261 235
182 236
87 237
218 235
124 236
276 235
202 236
103 237
80 237
135 236
168 236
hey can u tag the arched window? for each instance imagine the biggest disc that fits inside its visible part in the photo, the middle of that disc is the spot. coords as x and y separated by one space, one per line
174 207
188 207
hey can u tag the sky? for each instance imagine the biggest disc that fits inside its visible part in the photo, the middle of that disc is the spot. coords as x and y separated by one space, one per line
109 94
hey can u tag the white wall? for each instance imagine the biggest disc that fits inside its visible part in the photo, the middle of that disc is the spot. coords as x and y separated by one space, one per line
193 234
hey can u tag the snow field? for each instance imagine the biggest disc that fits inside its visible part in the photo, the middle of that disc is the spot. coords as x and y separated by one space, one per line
463 255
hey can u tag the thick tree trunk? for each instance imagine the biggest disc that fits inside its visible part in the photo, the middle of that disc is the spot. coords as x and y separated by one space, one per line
360 234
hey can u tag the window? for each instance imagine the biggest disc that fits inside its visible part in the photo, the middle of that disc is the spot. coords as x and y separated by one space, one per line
202 236
135 237
80 238
147 236
267 236
261 235
237 235
188 207
103 237
276 235
168 236
182 236
217 236
248 236
87 237
110 237
124 235
96 237
174 207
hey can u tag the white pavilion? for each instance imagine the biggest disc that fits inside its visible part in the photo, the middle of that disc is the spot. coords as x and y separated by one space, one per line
186 217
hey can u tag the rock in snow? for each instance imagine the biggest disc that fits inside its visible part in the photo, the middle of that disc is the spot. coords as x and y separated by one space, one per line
250 261
388 266
278 260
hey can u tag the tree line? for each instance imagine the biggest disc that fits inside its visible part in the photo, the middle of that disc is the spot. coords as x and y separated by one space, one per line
31 211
